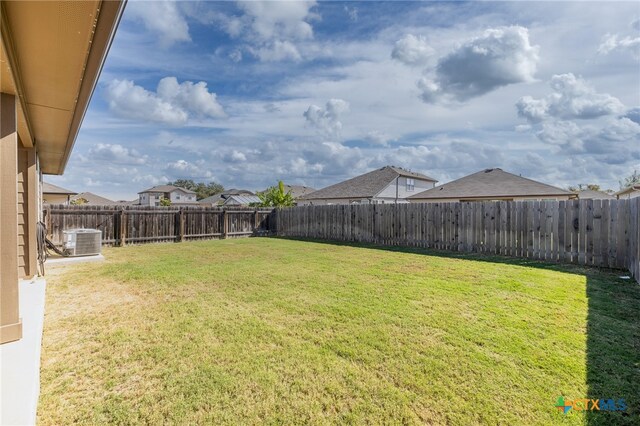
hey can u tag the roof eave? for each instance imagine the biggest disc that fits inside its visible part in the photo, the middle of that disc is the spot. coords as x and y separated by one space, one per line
108 20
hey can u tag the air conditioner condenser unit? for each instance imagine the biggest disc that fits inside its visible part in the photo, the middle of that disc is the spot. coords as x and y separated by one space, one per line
82 242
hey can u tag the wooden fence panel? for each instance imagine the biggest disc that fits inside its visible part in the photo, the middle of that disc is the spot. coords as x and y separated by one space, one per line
137 224
587 232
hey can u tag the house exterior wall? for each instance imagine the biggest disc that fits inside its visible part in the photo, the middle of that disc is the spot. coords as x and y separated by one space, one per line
56 198
390 191
28 211
10 322
179 197
386 196
175 196
149 198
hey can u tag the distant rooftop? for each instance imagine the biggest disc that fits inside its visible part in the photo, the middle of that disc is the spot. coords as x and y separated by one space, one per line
589 194
490 183
93 199
367 185
48 188
166 188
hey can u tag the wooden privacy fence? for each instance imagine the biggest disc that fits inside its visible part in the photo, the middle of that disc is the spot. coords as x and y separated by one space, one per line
602 233
137 224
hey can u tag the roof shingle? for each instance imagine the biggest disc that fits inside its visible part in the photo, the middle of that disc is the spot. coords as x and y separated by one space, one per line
490 183
364 186
48 188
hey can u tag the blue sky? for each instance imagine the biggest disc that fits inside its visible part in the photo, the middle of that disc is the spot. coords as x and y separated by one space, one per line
247 93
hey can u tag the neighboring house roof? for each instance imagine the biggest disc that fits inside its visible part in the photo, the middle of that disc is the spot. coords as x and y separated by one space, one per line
93 199
298 191
589 194
243 199
166 188
629 189
366 185
48 188
220 197
135 202
491 183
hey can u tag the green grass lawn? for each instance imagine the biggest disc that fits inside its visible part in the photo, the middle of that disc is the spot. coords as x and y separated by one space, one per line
252 331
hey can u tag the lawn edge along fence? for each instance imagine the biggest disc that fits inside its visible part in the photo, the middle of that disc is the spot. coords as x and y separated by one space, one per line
603 233
122 225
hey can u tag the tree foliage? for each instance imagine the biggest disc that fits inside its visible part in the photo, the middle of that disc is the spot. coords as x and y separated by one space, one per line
275 196
632 179
78 201
165 202
582 187
202 190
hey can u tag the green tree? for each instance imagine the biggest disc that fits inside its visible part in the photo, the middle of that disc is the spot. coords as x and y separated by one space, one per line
632 179
276 197
78 201
165 202
582 187
202 190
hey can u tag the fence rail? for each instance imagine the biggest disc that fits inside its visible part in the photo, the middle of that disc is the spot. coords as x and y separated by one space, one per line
137 225
603 233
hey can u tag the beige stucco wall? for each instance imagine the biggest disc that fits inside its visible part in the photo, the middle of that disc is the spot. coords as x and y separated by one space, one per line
55 198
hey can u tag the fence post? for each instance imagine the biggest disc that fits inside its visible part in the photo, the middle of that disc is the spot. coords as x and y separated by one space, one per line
225 224
256 222
180 225
123 228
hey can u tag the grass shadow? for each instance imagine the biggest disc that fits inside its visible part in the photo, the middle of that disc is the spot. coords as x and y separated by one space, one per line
613 330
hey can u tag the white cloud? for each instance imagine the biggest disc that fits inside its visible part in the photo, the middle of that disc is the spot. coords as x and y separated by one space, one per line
412 50
301 167
633 114
237 156
617 42
117 154
501 56
270 20
173 103
162 18
192 97
235 55
327 119
272 29
277 51
352 12
601 133
182 169
377 138
572 98
611 42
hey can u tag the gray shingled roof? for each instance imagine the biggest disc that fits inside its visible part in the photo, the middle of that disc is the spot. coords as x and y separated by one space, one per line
48 188
220 197
244 199
166 188
629 189
93 199
298 191
588 194
490 183
366 185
